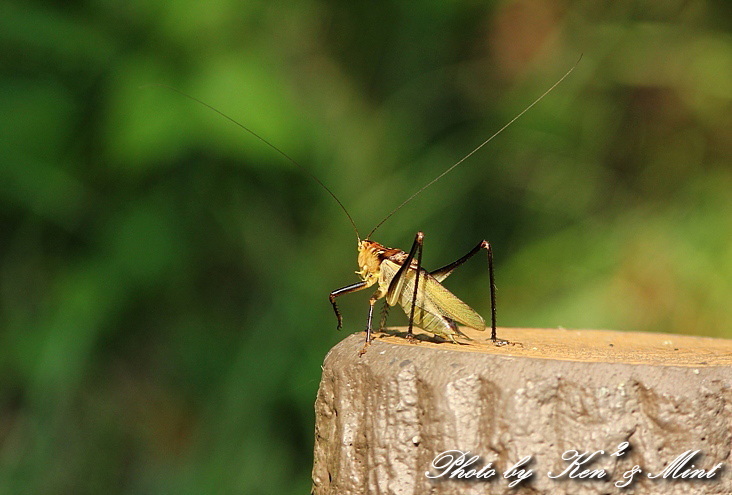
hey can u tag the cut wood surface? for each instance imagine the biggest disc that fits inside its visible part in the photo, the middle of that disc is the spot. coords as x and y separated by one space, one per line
383 418
588 345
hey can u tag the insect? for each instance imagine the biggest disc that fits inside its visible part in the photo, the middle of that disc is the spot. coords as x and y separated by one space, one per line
398 275
401 279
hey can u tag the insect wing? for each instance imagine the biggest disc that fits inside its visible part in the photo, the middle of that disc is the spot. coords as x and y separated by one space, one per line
389 270
428 317
447 303
432 297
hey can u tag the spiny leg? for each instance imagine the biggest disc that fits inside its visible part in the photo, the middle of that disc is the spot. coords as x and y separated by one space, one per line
372 301
395 283
339 292
492 281
442 273
384 315
418 240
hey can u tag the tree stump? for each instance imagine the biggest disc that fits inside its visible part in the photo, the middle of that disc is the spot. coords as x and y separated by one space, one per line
383 419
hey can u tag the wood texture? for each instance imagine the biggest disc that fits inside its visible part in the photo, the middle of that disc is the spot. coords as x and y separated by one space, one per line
382 418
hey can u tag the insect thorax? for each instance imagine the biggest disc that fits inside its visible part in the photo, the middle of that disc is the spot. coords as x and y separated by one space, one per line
371 255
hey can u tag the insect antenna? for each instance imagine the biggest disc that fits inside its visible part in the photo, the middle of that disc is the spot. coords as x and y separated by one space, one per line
242 126
410 198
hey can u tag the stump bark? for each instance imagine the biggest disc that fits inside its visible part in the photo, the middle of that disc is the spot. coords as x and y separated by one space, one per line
384 417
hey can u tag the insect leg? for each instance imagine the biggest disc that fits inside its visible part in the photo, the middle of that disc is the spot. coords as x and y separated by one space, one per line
492 281
416 248
372 300
417 240
442 273
384 315
339 292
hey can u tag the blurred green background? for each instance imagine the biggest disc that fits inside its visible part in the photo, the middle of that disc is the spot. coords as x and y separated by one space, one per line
164 276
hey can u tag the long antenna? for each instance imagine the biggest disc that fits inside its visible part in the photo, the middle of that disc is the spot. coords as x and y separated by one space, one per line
230 119
475 150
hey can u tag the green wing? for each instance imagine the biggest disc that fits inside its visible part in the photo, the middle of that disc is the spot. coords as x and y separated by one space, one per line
433 300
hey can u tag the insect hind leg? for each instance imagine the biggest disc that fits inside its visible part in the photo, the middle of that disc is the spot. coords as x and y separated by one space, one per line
456 329
384 315
416 246
442 273
395 284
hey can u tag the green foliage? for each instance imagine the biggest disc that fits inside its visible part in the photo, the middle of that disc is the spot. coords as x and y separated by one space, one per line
163 275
